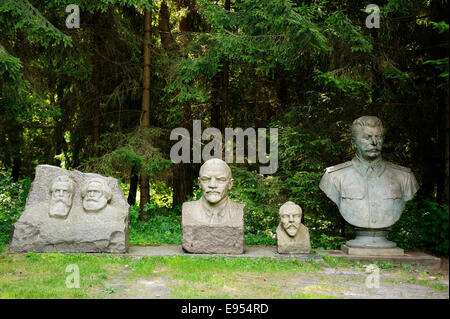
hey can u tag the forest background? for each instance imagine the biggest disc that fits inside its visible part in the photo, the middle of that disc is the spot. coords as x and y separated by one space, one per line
104 98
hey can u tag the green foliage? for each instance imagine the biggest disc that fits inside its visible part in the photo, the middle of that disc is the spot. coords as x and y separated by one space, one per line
262 200
442 66
423 224
123 151
341 83
267 34
164 226
20 14
320 241
341 27
12 202
307 68
10 67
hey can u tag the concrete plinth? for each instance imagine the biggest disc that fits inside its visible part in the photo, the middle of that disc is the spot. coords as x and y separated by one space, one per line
203 239
409 257
358 251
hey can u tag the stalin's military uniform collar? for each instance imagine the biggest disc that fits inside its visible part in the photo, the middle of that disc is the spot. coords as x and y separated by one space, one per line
369 169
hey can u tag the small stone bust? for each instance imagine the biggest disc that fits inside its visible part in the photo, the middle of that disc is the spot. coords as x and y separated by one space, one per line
292 235
214 223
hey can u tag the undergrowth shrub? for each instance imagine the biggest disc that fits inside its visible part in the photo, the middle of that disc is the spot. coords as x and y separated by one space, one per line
13 197
423 224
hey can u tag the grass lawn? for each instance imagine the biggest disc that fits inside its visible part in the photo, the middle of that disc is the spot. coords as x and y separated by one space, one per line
34 275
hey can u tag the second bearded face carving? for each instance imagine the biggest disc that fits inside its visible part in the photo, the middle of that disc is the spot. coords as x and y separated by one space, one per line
96 195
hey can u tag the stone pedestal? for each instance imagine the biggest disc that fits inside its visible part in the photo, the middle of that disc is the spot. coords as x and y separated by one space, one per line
410 257
299 244
372 242
203 236
372 251
204 239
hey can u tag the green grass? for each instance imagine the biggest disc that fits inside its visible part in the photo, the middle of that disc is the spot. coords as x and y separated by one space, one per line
334 262
35 275
416 281
221 277
44 275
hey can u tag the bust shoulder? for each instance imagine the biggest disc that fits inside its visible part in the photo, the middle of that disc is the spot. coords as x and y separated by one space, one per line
338 167
398 167
190 205
235 205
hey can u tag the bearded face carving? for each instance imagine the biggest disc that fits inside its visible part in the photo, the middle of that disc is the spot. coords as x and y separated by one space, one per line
290 217
96 195
61 191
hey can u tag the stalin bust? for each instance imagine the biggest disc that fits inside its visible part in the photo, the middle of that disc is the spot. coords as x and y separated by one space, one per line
369 192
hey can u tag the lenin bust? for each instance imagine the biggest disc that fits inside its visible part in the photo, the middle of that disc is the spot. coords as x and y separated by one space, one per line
214 223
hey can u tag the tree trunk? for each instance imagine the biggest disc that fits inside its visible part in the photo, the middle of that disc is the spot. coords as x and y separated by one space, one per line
59 125
182 182
343 227
16 141
134 178
216 101
145 116
446 151
96 79
219 95
439 12
225 85
164 29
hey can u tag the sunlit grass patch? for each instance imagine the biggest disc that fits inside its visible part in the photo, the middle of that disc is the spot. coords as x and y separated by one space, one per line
44 275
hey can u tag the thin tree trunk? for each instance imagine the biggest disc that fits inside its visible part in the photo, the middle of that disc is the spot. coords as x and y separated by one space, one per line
134 178
219 95
164 28
182 182
446 152
145 116
96 78
59 125
16 141
216 100
342 227
17 164
446 127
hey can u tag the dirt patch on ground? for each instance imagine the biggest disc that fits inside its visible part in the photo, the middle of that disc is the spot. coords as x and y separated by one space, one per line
347 283
351 284
125 286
